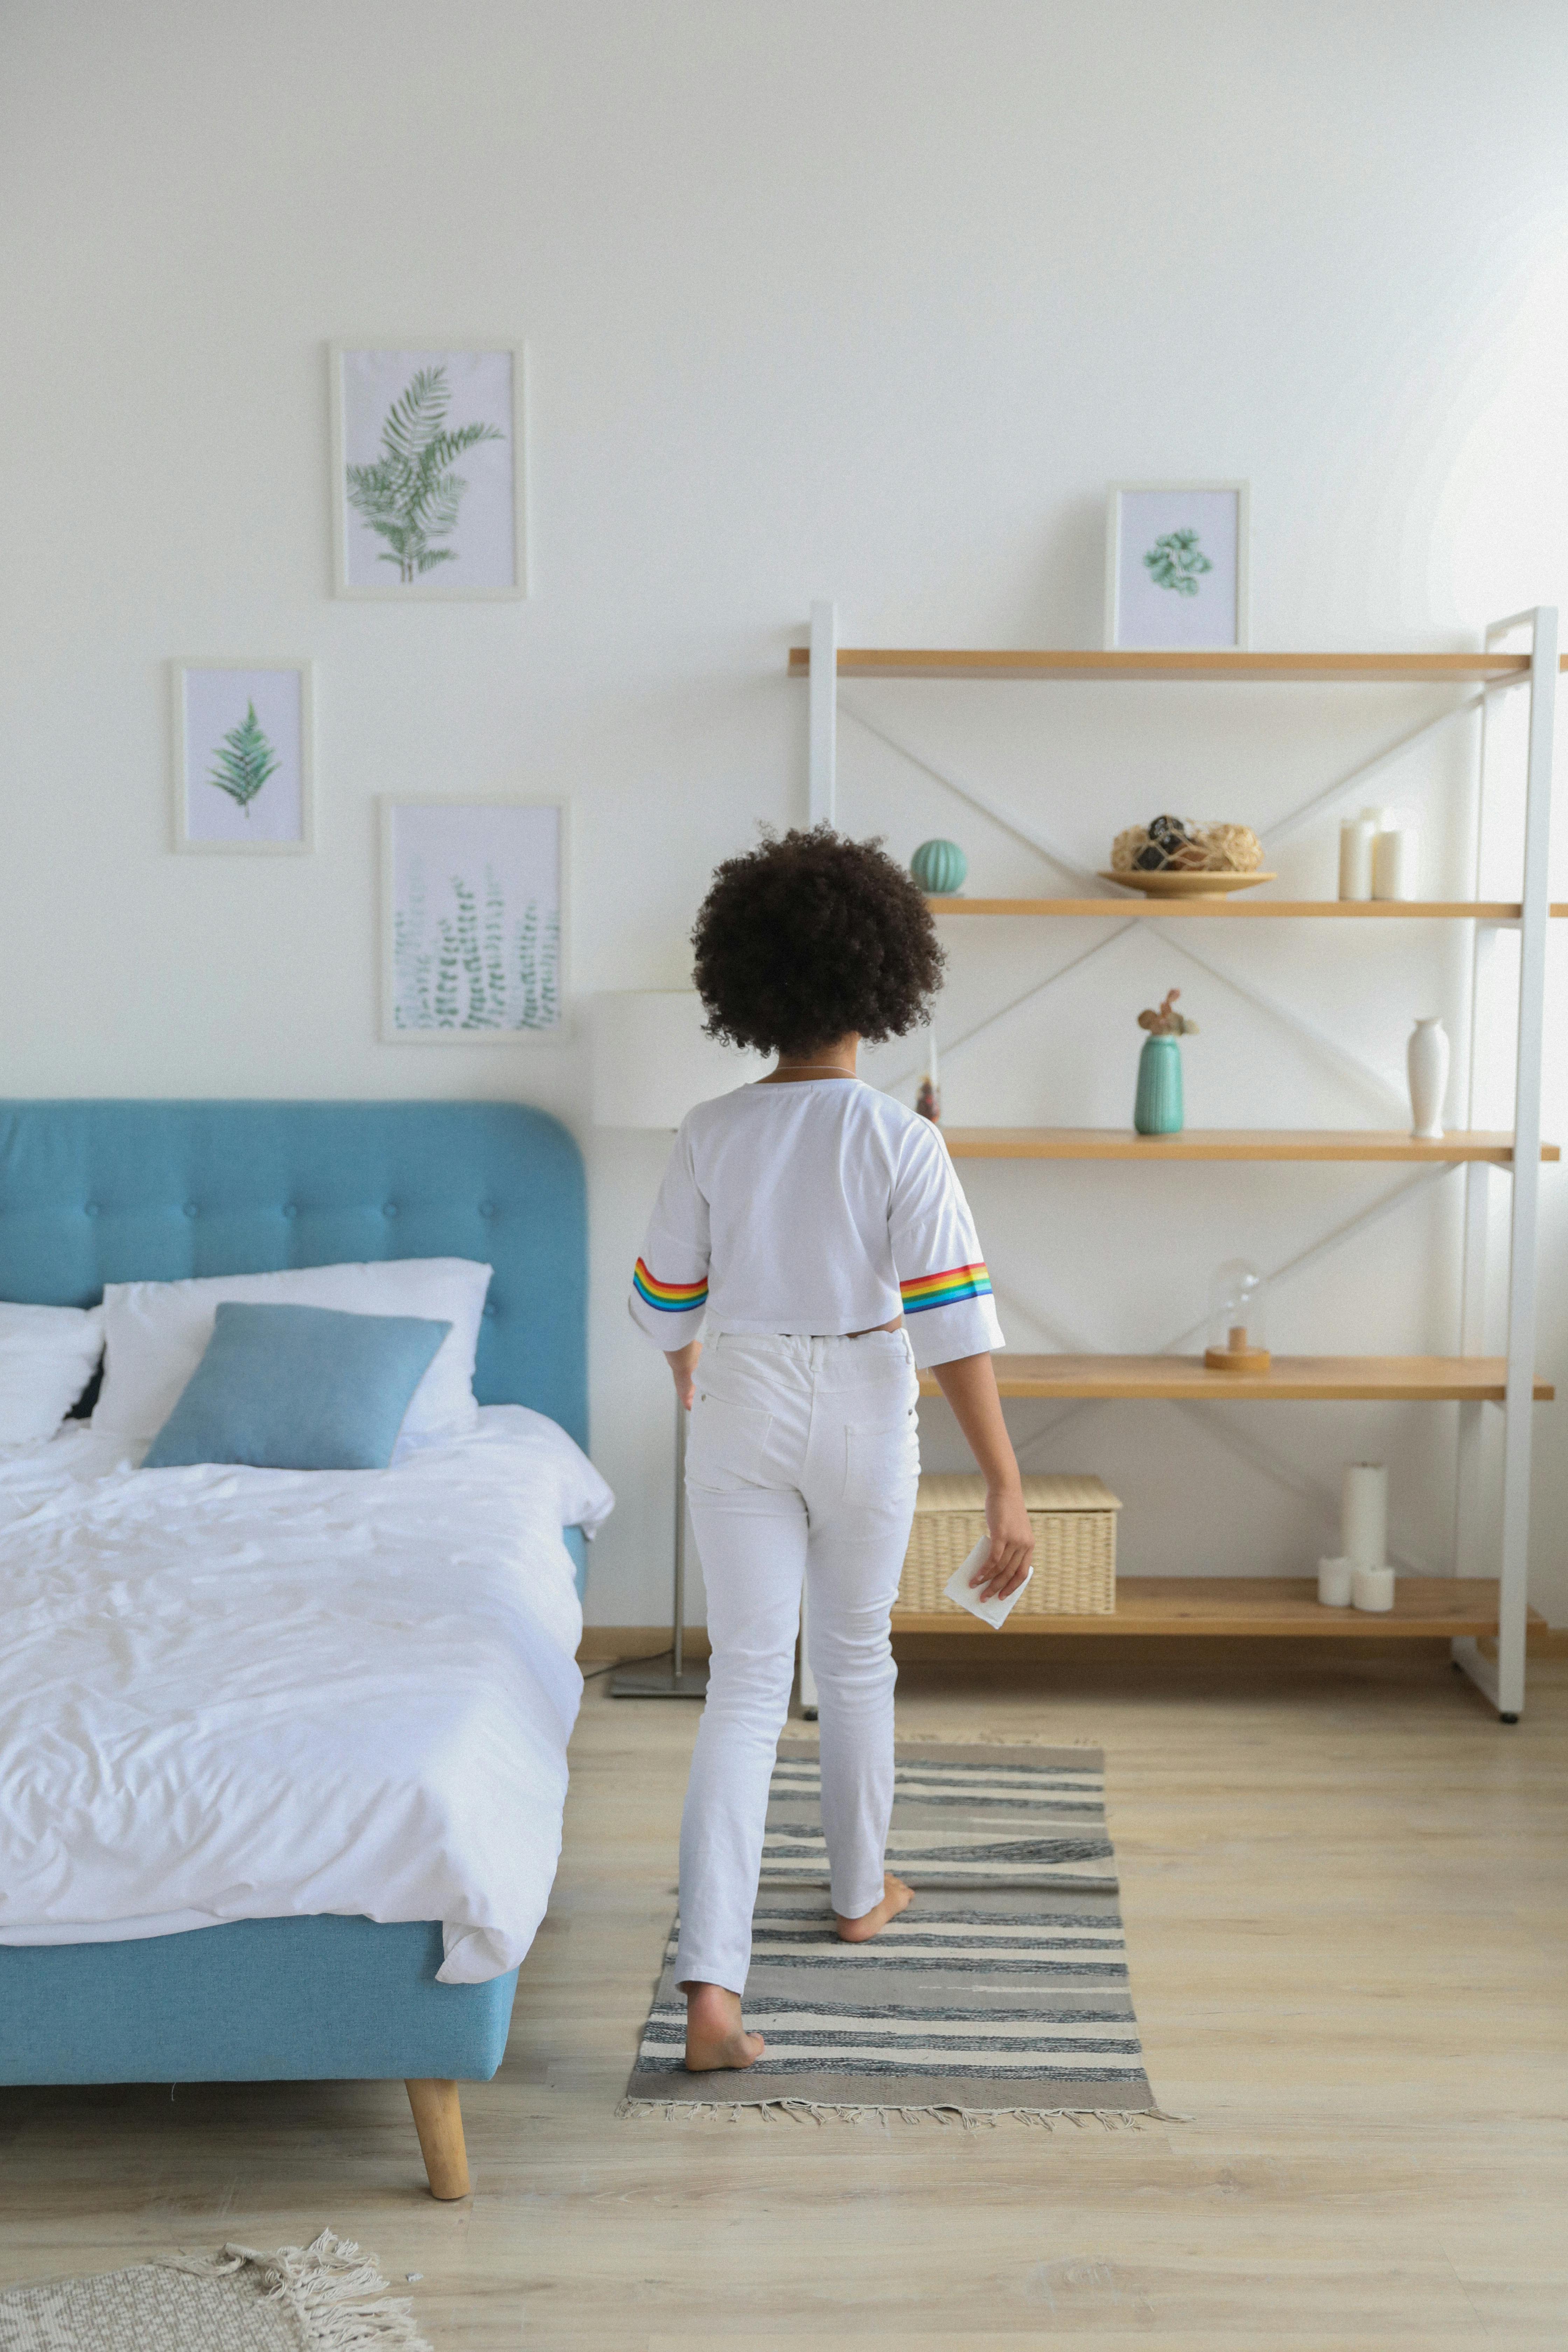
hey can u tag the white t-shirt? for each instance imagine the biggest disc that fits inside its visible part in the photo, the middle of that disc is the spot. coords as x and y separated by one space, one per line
816 1208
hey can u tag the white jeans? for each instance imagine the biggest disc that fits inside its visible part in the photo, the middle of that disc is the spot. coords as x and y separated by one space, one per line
801 1464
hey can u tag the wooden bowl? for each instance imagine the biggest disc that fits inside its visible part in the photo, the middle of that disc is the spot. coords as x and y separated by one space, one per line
1187 886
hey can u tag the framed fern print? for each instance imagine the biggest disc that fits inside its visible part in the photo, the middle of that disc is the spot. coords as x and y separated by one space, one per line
429 474
1176 566
474 921
243 764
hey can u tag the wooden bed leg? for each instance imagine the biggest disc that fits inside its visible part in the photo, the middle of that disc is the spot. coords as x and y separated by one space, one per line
439 2120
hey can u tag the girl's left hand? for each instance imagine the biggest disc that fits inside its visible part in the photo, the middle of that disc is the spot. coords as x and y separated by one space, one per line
682 1363
1011 1545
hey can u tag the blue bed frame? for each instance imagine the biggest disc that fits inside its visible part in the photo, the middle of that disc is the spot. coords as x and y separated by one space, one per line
119 1191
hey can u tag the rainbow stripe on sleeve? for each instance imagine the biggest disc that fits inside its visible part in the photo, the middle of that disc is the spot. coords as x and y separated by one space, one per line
669 1297
947 1289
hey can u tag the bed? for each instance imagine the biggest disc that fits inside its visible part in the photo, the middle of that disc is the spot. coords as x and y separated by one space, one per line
109 1191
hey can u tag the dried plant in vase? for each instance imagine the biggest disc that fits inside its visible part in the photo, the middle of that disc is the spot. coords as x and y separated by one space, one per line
1164 1020
1157 1108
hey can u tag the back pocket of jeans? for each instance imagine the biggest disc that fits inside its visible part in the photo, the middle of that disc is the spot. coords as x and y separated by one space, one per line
882 1460
728 1444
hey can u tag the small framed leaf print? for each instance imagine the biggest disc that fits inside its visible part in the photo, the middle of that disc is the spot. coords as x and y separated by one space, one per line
244 769
1176 566
430 476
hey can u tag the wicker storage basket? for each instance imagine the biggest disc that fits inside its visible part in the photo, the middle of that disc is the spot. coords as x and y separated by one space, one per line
1075 1546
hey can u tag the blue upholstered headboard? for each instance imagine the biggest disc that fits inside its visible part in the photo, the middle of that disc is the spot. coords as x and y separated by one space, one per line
126 1192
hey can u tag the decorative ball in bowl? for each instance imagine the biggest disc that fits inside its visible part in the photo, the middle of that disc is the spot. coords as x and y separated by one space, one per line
1173 857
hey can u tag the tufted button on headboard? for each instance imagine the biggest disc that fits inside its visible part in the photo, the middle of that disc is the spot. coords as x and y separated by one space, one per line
153 1191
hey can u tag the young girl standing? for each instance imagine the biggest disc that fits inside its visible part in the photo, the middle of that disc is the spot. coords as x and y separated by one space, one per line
813 1233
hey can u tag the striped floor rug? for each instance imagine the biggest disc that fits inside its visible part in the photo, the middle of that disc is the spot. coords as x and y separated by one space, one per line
1001 1990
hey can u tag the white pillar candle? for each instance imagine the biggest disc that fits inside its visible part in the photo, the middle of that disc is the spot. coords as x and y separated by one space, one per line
1363 1513
1396 859
932 1071
1358 836
1335 1583
1372 1589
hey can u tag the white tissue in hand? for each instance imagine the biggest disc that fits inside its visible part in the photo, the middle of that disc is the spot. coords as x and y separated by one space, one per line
958 1587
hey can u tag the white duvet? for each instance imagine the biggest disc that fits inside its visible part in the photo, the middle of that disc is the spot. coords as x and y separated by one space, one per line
232 1694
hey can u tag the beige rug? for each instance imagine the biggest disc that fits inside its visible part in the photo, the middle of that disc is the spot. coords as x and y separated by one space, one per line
325 2297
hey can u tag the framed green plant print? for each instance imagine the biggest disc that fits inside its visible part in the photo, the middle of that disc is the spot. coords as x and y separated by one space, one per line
474 904
430 471
1177 566
243 770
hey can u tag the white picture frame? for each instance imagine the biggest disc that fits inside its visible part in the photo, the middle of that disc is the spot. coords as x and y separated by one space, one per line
496 969
243 718
477 551
1173 604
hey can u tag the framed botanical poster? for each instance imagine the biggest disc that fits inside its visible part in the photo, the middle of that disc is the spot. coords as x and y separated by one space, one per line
473 934
243 764
429 473
1176 557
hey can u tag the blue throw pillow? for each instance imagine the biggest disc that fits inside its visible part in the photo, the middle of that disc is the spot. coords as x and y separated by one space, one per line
298 1388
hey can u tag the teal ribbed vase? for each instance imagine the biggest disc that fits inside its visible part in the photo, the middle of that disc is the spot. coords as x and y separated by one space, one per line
1158 1108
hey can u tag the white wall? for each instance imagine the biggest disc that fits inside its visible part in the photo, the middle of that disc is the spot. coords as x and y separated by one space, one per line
837 298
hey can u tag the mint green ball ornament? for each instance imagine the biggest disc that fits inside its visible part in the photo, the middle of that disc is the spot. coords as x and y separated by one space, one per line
940 866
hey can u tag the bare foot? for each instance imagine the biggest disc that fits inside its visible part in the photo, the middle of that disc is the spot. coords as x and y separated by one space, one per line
895 1898
715 2036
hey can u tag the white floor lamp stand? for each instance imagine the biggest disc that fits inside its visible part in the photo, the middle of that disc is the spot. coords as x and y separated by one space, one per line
653 1062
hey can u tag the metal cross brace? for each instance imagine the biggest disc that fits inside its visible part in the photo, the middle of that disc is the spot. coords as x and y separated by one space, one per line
1350 1065
1249 1449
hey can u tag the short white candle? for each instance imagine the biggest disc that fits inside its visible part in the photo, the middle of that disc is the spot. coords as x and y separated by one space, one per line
1335 1583
1395 861
1372 1589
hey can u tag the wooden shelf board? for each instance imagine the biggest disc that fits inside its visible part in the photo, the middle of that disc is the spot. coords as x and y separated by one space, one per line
1291 1380
1279 1607
1230 1143
1243 908
1276 669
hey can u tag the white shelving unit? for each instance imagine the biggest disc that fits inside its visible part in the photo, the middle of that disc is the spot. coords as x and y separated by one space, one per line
1487 1594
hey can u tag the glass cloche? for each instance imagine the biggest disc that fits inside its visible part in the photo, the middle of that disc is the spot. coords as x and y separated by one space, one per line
1239 1319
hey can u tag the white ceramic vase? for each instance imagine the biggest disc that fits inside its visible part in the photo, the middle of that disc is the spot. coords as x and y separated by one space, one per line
1426 1060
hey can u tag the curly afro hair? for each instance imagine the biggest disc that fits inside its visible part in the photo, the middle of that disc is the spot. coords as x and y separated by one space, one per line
809 936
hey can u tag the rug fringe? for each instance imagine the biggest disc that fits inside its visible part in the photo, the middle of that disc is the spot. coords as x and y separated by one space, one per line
324 2286
944 2114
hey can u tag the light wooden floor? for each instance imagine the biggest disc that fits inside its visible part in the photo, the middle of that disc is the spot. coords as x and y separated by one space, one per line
1345 1890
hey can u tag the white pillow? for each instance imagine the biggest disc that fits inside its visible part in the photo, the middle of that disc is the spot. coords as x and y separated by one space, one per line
156 1333
48 1355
